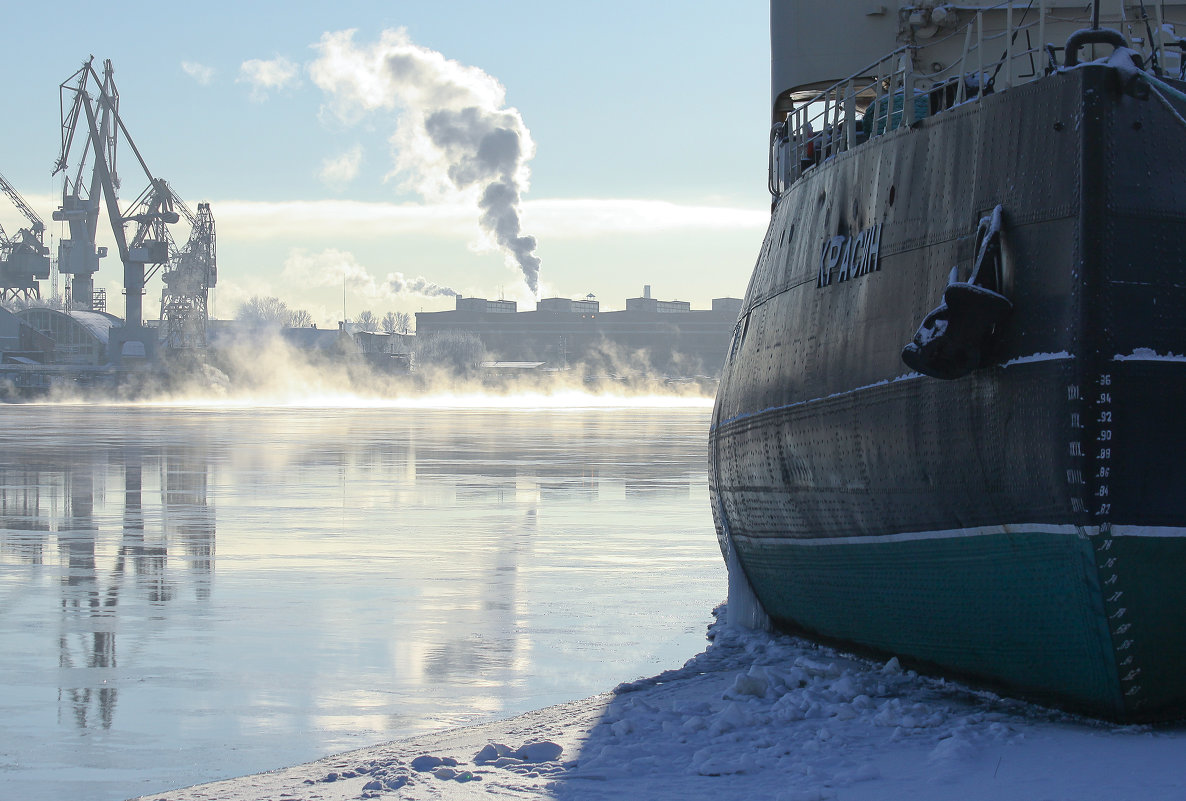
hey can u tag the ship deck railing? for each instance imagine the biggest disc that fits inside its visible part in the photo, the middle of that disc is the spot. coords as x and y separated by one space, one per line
871 102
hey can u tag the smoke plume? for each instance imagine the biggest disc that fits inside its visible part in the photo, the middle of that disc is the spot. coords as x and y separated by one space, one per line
454 134
333 267
400 285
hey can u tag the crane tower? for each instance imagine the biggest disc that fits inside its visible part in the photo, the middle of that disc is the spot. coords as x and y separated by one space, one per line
188 278
78 256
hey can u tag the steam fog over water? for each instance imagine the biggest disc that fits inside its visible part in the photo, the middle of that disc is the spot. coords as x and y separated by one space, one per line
189 592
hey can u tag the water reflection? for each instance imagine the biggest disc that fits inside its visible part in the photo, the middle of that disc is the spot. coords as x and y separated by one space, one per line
379 573
53 500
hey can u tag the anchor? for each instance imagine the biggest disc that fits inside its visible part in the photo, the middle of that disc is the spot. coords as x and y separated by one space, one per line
953 337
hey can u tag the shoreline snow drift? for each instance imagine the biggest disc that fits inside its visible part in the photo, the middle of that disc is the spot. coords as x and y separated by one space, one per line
756 715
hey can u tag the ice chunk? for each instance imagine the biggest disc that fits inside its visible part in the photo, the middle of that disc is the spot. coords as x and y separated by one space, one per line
747 684
622 727
426 762
491 752
542 751
714 762
730 718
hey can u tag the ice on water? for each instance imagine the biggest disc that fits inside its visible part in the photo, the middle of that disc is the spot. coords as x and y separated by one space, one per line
191 593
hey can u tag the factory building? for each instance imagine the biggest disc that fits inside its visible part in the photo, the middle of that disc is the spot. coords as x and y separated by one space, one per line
78 338
667 337
483 306
567 306
21 342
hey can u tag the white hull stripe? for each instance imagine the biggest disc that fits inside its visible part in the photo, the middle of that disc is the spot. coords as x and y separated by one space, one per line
959 533
1148 531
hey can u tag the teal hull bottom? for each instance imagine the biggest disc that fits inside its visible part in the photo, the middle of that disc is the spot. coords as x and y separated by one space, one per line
1089 622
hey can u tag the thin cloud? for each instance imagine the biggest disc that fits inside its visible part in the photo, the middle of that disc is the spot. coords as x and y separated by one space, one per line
570 218
340 170
300 219
329 267
265 76
199 72
333 268
592 217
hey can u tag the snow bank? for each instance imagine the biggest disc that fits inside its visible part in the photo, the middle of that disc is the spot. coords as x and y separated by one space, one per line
758 716
1148 355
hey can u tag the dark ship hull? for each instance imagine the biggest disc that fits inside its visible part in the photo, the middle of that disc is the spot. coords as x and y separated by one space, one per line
1025 525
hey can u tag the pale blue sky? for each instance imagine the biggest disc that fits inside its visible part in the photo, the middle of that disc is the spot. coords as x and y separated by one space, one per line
648 120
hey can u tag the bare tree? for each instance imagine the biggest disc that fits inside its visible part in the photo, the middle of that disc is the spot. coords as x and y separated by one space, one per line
16 304
366 321
301 319
389 324
403 321
267 311
456 351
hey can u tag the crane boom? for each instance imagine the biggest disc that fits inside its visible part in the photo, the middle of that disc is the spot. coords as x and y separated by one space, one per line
24 258
38 227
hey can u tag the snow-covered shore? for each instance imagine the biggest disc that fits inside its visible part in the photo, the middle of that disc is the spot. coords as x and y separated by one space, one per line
756 716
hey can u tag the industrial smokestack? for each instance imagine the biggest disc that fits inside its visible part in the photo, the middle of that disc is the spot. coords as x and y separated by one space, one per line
455 133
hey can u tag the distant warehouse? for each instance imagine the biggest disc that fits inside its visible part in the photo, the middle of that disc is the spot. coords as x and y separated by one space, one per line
662 336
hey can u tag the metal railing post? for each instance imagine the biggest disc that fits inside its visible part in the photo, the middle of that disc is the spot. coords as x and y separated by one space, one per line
1042 29
825 133
850 114
1009 46
1160 36
979 55
907 89
962 91
834 139
877 88
797 140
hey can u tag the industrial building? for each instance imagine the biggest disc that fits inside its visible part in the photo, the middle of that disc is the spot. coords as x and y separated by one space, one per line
78 338
20 342
40 347
650 335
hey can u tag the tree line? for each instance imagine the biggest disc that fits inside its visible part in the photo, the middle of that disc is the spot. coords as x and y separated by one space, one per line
273 311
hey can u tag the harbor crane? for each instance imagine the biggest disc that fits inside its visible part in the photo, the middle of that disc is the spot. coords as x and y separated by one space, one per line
24 258
101 125
78 256
190 274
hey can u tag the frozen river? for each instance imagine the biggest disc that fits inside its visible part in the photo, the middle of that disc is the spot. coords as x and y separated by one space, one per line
189 593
